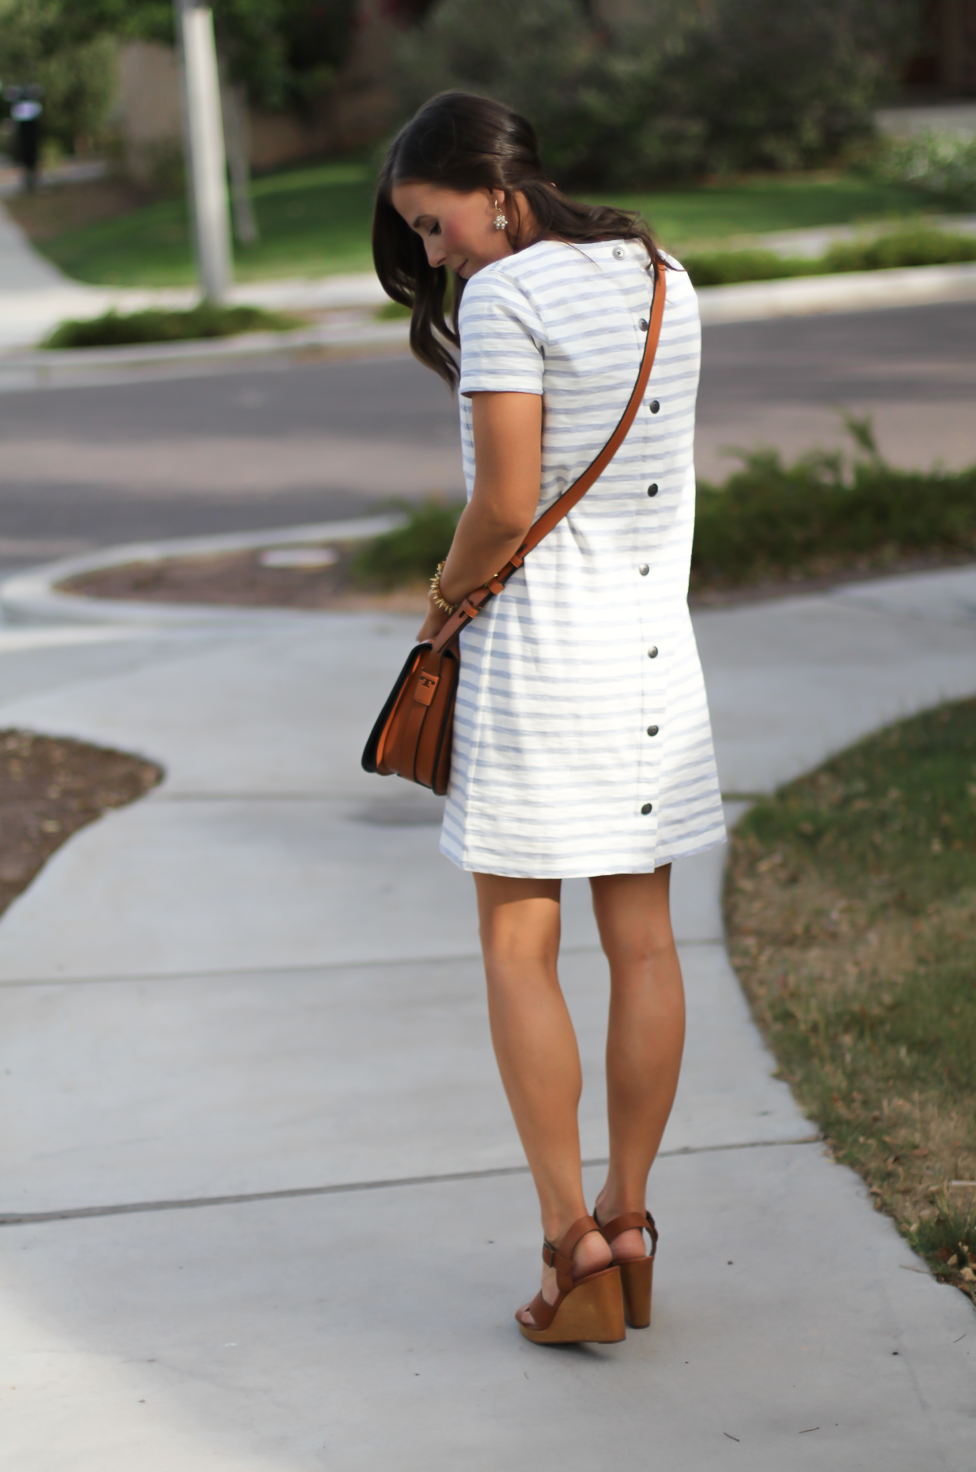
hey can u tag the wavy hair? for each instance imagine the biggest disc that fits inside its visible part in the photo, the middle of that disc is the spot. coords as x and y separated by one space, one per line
463 142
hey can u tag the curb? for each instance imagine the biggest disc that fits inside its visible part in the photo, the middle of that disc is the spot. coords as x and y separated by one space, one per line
847 291
40 369
32 597
749 301
26 315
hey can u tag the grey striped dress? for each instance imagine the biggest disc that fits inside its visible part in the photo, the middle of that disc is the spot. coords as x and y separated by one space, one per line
582 742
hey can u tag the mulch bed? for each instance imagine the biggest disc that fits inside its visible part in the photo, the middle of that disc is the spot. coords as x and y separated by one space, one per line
50 787
241 580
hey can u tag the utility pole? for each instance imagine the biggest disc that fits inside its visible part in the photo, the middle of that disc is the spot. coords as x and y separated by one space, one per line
204 135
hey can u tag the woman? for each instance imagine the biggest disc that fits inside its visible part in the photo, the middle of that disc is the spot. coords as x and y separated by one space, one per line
581 739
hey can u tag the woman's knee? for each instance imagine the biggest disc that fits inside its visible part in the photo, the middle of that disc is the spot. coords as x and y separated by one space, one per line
518 923
642 957
634 919
510 952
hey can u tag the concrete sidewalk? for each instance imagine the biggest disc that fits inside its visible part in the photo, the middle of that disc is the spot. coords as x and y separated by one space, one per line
265 1205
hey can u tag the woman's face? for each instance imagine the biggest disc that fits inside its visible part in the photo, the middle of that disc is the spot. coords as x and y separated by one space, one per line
458 230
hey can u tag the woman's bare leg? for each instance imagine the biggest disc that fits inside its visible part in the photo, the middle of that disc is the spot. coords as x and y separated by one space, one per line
645 1037
535 1046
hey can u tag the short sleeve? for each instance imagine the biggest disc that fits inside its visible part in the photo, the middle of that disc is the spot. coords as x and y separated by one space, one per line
502 337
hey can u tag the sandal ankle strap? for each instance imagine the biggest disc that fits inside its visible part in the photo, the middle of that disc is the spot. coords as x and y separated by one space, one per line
561 1257
631 1221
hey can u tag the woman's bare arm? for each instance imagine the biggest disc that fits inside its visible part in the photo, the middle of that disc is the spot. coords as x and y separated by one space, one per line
508 459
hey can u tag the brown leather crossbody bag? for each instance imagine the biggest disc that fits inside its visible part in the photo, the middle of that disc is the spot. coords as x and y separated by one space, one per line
412 735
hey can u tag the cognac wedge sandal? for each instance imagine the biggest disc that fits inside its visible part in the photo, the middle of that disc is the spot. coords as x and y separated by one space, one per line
588 1310
636 1273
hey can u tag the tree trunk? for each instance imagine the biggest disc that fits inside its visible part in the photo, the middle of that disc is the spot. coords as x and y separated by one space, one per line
237 132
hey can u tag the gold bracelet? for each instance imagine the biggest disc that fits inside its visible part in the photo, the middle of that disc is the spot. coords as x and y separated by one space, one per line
437 596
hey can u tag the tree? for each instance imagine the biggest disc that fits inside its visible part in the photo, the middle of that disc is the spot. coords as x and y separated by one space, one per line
74 67
275 54
687 86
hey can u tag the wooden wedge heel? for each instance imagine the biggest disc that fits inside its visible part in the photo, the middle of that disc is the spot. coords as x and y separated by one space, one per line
637 1273
588 1310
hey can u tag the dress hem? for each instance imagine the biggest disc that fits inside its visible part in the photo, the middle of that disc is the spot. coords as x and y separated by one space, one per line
691 853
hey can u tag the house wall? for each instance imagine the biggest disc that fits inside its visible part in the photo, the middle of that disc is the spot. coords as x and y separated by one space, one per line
944 64
959 47
149 111
360 110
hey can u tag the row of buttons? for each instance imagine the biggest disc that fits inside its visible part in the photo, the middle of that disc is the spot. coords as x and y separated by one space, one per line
652 490
643 324
644 569
651 731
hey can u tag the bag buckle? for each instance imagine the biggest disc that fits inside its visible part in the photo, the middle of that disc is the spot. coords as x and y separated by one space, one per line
426 685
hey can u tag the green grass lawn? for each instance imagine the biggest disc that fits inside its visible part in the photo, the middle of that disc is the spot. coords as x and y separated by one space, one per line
313 222
761 204
316 220
850 899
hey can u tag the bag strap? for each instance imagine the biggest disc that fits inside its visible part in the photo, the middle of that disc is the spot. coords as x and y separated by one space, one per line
472 605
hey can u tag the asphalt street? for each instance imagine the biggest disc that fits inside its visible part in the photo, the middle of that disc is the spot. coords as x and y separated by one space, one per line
282 443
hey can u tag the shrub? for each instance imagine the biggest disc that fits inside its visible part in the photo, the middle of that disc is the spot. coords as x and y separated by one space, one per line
78 74
411 551
914 247
824 511
689 88
156 325
941 163
768 520
392 312
725 267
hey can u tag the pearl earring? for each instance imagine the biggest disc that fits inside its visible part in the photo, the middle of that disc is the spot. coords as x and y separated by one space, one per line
500 220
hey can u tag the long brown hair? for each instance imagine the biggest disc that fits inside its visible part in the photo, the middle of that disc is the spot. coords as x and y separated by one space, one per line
463 142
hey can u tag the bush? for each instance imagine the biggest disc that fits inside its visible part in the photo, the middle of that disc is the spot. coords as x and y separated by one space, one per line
734 85
941 163
156 325
78 74
725 267
913 247
411 551
770 520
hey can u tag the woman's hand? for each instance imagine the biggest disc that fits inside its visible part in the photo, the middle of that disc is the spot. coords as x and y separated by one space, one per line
433 623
